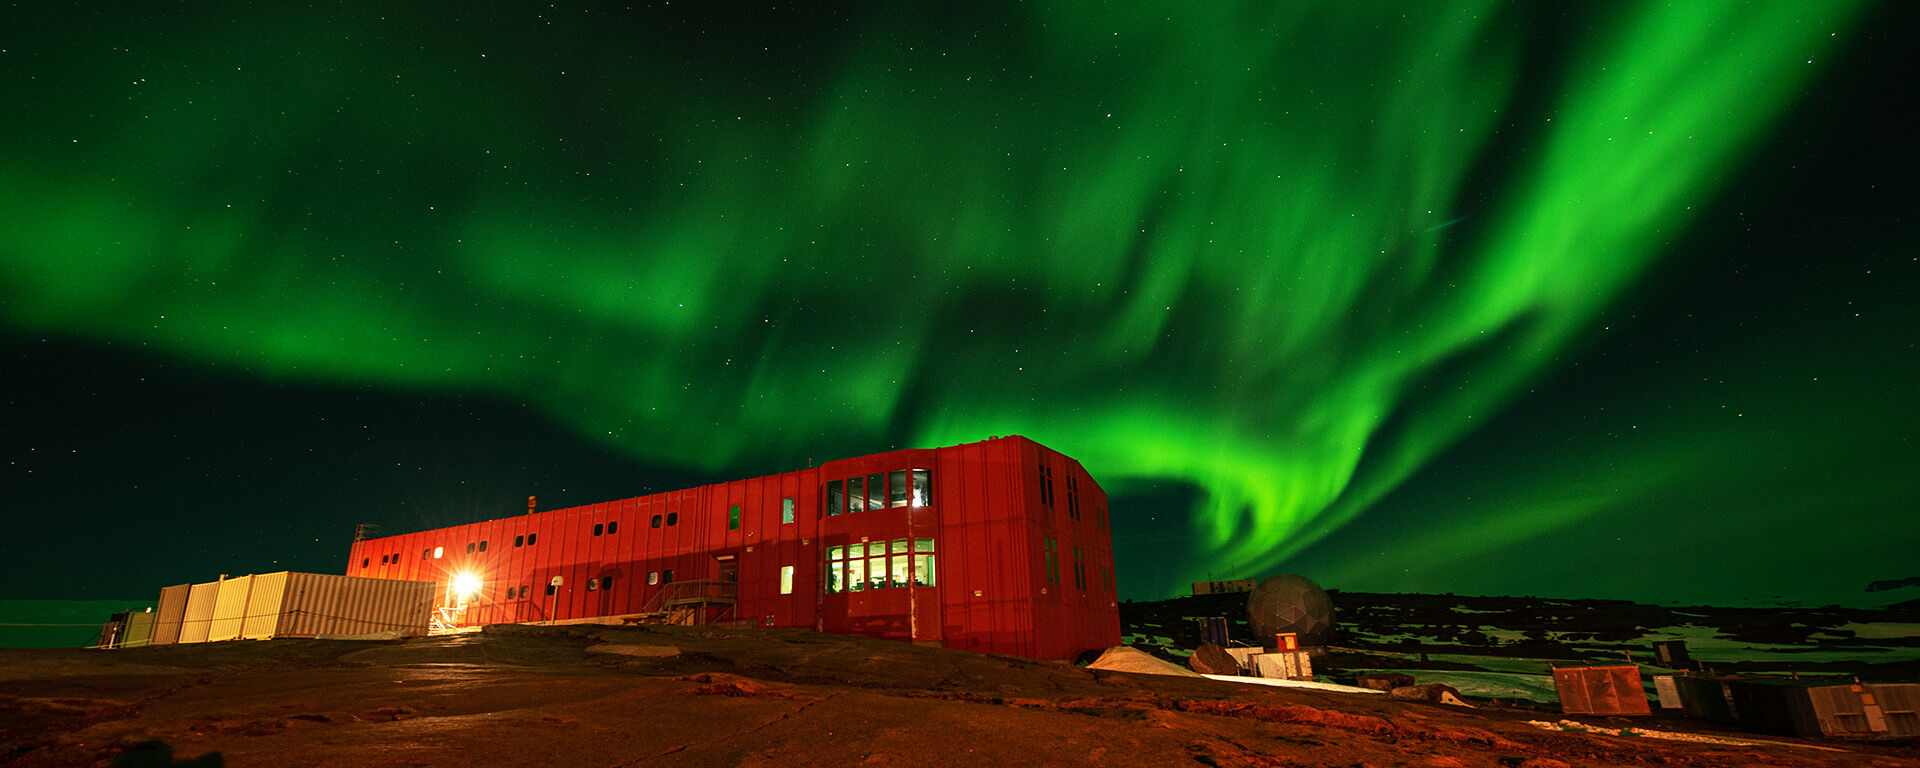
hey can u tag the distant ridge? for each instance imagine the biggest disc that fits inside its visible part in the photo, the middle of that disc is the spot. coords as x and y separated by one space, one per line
1882 586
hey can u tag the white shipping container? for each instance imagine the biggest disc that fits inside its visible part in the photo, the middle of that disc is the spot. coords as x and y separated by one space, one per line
198 617
168 613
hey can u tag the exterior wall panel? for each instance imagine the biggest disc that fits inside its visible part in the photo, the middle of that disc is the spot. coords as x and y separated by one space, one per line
263 606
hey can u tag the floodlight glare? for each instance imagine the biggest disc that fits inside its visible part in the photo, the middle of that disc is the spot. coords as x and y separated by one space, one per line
465 585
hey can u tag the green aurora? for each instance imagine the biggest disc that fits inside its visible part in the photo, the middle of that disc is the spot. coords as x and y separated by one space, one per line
1286 255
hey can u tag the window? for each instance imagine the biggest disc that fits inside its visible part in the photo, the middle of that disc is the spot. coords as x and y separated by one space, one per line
438 551
1052 559
653 577
656 521
1046 486
877 490
922 487
733 518
552 588
879 565
593 585
666 576
469 547
599 528
786 579
523 591
483 546
426 554
897 488
1073 497
510 591
673 518
786 510
612 526
1079 568
836 499
606 582
519 541
366 561
856 494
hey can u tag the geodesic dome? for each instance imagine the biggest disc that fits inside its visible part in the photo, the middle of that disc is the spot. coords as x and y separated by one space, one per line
1290 603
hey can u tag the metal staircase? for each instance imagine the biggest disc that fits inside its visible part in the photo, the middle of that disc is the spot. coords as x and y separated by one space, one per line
691 603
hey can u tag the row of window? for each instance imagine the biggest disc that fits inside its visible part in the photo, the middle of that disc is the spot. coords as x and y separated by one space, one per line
880 490
608 528
880 565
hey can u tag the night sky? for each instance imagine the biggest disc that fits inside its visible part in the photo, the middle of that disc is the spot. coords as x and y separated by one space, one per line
1609 300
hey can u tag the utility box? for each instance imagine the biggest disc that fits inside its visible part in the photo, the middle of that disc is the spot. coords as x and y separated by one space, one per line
1601 690
1284 642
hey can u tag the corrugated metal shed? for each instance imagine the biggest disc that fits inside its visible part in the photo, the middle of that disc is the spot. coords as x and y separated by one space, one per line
1601 690
1846 711
167 615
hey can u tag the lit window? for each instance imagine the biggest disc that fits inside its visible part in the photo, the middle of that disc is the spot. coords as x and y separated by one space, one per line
653 577
599 528
880 565
786 510
438 552
897 488
733 518
922 487
836 499
612 526
786 579
656 521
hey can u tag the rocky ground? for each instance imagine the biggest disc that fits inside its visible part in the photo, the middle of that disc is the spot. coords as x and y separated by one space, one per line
678 696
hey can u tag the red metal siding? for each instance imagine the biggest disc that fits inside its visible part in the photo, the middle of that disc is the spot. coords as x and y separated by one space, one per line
986 515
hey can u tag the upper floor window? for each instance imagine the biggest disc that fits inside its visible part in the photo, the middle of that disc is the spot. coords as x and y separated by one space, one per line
1046 486
673 518
599 528
1073 497
483 545
786 510
733 517
531 537
520 541
655 523
878 490
613 526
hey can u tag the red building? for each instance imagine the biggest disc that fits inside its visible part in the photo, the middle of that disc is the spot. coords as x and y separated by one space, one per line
1001 546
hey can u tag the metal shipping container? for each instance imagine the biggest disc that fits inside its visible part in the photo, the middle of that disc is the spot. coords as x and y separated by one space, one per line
139 630
167 614
291 604
1601 690
230 609
198 617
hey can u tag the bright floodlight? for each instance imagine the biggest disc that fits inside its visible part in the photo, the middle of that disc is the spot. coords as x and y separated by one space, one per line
466 585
